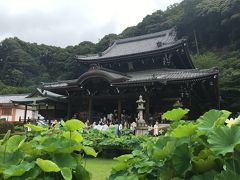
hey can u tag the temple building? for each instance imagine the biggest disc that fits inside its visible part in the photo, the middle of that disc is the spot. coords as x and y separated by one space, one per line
157 66
10 111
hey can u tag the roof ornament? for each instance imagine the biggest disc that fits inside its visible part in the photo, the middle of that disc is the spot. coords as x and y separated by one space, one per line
159 44
117 90
94 67
89 93
100 54
154 76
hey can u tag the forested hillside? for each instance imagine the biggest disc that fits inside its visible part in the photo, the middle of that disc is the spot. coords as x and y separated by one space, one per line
215 23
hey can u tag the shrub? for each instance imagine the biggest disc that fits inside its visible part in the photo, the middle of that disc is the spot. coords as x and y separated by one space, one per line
17 123
108 145
5 126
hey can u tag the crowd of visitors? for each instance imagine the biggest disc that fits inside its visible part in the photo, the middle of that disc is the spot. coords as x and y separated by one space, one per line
110 121
104 124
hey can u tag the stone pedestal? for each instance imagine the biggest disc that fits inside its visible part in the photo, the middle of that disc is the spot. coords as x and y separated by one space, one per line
141 128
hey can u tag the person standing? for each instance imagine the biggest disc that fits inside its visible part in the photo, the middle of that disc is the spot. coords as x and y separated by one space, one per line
133 127
155 129
117 132
120 129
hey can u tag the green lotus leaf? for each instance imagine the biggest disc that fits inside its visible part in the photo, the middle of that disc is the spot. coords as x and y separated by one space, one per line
89 151
175 114
62 123
181 159
120 166
14 142
232 164
165 151
124 158
6 137
34 127
211 119
184 130
203 164
73 135
205 176
49 145
66 173
74 124
30 174
18 170
226 113
65 160
224 139
47 165
227 175
145 166
132 177
82 173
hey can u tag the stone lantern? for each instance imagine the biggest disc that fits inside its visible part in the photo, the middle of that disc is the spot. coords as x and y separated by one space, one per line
141 124
34 111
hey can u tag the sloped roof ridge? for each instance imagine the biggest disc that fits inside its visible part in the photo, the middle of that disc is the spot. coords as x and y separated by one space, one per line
161 70
140 37
145 36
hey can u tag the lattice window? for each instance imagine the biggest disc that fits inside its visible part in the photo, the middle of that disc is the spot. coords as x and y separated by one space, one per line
7 111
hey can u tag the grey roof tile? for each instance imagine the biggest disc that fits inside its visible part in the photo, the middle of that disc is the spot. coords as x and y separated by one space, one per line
137 45
165 75
8 98
160 75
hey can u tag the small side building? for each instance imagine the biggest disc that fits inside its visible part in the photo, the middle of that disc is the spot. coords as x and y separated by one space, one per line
11 111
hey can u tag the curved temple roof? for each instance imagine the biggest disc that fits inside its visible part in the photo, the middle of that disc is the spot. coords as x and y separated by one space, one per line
136 45
148 76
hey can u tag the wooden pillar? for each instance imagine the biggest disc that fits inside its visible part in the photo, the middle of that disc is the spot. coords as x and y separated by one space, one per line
25 114
90 108
47 115
119 109
146 117
69 108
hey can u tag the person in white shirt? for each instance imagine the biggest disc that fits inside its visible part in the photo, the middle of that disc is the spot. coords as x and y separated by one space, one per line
104 127
120 128
155 129
133 127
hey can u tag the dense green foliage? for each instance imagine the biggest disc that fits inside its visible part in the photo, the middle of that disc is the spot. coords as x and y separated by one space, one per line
216 24
5 126
108 145
201 149
228 64
45 153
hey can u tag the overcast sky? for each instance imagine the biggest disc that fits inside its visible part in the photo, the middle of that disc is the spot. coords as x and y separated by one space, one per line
69 22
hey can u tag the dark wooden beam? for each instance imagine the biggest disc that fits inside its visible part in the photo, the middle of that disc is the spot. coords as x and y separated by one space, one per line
69 108
90 108
119 109
146 117
25 114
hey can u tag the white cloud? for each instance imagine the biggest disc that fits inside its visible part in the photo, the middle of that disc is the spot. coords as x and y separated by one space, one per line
68 22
